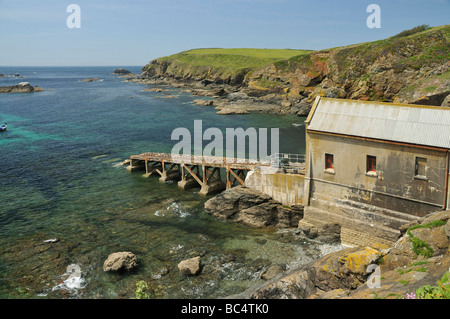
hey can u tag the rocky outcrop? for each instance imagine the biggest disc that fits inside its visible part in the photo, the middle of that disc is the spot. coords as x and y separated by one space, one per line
410 69
419 259
252 208
90 80
190 267
326 232
120 262
203 102
22 87
9 75
121 71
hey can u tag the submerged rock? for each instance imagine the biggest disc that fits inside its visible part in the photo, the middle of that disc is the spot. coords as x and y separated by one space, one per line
90 80
272 271
121 261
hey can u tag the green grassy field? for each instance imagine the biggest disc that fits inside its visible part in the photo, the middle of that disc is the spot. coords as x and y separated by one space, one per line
411 49
272 54
232 59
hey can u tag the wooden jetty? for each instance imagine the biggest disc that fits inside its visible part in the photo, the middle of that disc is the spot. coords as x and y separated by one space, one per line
193 171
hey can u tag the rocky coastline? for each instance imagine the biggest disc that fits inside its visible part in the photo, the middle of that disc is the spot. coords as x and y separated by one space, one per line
417 261
403 69
227 99
420 259
22 87
416 267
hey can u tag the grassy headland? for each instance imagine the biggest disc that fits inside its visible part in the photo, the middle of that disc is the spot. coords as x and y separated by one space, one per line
411 67
222 65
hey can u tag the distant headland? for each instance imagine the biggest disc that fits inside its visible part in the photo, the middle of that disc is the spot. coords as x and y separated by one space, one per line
410 67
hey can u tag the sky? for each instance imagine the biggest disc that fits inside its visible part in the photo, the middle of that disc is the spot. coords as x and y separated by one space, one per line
134 32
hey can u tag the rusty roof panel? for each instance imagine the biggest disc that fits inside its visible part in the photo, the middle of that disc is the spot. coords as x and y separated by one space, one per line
413 124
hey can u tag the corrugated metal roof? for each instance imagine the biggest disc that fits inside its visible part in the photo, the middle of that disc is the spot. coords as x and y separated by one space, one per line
412 124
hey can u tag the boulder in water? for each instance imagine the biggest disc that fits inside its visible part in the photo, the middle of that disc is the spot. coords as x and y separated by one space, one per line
22 87
121 261
190 266
121 71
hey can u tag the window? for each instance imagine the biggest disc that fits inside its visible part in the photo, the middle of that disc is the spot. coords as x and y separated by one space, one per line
329 161
421 167
371 164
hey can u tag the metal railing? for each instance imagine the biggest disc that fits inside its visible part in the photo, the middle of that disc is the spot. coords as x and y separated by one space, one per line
287 163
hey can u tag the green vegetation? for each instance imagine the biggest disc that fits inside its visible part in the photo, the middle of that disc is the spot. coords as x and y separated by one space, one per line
230 61
440 291
141 290
421 269
262 54
420 263
420 247
428 47
412 31
430 89
422 48
404 282
302 60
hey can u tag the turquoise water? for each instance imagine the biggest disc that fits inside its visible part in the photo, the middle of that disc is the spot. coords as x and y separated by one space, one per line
60 179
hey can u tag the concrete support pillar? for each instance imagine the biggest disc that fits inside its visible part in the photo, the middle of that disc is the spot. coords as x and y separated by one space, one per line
189 178
212 181
152 169
170 172
136 165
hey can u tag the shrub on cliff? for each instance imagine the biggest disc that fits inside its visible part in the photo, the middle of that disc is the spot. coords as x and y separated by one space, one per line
441 291
412 31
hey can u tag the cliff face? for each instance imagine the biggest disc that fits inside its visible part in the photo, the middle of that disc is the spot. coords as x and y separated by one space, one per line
412 69
219 66
406 69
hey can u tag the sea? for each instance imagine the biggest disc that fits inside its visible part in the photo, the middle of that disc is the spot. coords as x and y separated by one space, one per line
66 202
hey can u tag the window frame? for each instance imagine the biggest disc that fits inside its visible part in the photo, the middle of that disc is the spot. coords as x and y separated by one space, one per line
329 166
416 168
371 165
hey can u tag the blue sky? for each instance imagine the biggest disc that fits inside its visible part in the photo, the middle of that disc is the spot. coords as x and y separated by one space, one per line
136 31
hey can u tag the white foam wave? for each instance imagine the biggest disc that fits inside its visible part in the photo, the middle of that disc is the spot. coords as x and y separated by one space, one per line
74 281
173 208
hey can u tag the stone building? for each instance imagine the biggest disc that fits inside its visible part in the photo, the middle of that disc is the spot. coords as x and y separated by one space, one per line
372 167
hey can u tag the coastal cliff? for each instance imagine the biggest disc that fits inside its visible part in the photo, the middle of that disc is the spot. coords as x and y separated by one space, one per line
411 67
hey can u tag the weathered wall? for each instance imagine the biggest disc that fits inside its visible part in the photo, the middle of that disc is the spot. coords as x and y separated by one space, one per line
284 188
394 187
